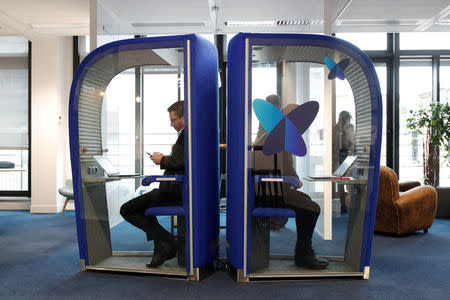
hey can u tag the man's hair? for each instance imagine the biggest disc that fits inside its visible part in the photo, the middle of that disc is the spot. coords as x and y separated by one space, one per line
178 108
274 99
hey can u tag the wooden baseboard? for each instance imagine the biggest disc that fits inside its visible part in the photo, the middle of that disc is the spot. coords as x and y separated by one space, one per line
15 203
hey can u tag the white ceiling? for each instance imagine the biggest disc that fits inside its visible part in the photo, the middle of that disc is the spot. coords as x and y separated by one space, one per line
33 18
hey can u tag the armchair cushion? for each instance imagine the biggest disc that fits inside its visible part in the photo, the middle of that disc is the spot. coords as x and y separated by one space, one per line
416 209
407 185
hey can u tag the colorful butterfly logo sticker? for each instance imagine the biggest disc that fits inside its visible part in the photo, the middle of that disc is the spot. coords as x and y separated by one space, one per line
336 70
285 131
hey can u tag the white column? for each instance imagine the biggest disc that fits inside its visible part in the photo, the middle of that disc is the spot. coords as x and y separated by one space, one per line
92 24
329 111
50 86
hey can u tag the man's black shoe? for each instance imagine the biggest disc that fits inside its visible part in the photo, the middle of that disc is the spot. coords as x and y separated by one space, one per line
164 250
311 262
169 248
157 260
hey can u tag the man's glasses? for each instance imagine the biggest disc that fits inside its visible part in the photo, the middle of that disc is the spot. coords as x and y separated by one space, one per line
173 120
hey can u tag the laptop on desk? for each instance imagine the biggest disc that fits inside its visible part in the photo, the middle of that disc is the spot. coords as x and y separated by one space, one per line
341 170
109 168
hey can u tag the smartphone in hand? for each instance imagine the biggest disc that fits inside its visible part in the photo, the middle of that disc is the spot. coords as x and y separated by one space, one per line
149 154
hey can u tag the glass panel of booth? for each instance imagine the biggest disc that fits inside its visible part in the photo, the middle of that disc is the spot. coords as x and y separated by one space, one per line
134 120
282 89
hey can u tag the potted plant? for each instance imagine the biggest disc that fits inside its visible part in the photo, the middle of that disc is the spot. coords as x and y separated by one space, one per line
434 121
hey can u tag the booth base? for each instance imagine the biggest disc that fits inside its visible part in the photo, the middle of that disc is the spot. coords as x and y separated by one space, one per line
283 268
202 272
134 262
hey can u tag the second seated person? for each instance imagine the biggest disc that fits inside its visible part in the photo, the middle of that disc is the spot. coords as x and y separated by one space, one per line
169 193
306 210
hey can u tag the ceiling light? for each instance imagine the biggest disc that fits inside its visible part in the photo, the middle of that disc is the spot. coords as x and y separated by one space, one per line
443 22
181 24
298 22
250 23
54 26
274 23
377 22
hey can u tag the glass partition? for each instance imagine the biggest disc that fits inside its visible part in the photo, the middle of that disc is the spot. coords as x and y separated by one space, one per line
286 100
118 138
162 87
134 120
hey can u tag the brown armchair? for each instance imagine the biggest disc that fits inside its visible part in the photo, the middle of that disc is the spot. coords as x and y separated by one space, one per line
403 212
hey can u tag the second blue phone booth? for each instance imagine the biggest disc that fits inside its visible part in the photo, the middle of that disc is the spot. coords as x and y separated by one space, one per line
283 129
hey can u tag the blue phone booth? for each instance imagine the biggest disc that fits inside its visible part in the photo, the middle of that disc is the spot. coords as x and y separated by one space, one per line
279 133
180 67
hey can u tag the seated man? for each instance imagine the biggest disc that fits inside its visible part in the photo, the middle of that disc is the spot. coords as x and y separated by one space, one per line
307 211
168 194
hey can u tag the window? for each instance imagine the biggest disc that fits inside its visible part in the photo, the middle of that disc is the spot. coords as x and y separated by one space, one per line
444 174
366 40
381 73
14 111
415 92
424 40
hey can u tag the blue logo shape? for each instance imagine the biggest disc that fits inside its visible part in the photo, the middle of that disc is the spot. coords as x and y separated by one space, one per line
285 131
336 70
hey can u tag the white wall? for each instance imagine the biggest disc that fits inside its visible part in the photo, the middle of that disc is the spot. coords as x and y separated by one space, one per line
52 70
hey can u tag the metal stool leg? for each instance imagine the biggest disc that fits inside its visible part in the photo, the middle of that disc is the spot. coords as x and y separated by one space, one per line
173 224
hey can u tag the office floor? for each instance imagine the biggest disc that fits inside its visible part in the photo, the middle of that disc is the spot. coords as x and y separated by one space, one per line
39 260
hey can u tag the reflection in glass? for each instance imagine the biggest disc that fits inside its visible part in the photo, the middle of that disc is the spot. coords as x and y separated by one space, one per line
161 88
344 101
276 237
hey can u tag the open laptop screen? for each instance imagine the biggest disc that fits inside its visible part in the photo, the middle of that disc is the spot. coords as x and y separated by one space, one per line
346 164
106 165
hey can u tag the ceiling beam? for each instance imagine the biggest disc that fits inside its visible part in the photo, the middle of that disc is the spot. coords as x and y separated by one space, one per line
339 14
431 21
22 29
213 12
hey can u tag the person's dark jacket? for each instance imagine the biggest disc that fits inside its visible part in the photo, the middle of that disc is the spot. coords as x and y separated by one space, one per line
173 164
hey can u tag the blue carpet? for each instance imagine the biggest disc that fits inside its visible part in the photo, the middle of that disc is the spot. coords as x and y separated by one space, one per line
39 260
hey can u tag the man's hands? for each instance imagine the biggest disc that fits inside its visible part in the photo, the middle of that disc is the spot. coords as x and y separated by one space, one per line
156 157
